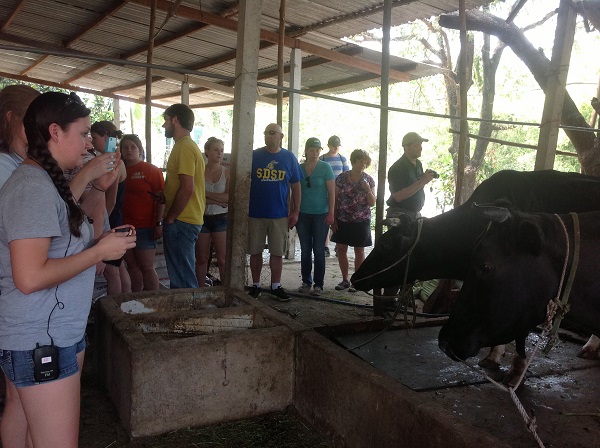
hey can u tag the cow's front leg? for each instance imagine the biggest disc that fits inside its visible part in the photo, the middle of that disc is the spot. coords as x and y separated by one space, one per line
591 348
492 360
519 364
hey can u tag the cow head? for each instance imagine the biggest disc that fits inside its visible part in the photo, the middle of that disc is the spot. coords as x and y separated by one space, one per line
386 263
514 273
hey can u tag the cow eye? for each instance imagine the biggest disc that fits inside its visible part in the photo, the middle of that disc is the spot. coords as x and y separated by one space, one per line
484 268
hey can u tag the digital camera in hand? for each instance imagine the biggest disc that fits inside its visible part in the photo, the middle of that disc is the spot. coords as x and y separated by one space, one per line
435 174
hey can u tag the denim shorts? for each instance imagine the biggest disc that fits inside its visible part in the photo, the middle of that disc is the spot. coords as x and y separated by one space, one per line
17 365
214 223
145 238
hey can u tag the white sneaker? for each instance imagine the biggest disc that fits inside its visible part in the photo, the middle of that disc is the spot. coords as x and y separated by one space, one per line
317 291
305 288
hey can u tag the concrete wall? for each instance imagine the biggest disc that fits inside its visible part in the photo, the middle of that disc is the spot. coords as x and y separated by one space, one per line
359 406
159 385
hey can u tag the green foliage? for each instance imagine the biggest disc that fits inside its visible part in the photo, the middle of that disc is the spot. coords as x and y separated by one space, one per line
101 108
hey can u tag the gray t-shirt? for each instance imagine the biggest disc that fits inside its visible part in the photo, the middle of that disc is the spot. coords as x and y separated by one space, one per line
8 163
30 207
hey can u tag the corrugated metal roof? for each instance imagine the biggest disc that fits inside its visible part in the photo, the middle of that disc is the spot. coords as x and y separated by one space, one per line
199 36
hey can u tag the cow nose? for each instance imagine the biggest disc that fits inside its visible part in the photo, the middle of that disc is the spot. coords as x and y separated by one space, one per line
445 347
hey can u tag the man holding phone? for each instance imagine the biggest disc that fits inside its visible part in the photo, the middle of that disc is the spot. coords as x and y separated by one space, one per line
185 198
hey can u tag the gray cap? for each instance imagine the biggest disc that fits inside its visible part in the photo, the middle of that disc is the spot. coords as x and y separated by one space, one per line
334 141
413 137
313 142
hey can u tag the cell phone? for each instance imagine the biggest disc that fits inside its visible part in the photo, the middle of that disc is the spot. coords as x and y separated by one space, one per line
111 144
125 229
45 363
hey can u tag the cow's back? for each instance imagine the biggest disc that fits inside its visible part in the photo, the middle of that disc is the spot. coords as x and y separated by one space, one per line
541 191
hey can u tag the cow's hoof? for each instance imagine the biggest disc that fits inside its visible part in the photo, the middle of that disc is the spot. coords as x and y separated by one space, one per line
591 348
587 353
511 381
489 364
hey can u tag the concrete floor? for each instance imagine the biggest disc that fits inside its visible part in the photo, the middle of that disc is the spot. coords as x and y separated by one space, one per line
561 390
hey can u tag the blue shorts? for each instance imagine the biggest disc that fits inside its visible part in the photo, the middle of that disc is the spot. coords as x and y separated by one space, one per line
145 238
214 223
17 365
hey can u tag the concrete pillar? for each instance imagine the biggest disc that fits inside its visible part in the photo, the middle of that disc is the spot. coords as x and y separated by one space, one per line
185 92
293 143
117 113
244 103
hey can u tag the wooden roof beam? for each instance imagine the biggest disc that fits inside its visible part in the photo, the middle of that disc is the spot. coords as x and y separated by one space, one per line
61 85
270 36
12 15
68 42
140 50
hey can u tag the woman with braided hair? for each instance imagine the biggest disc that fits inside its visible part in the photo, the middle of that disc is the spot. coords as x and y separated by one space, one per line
47 259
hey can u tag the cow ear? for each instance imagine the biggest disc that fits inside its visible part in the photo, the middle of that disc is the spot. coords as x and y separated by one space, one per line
493 212
530 237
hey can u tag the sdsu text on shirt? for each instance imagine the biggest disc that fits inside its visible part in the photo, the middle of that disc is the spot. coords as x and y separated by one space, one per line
271 176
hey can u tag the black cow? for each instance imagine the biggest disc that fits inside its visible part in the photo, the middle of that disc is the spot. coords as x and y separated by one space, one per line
447 240
515 271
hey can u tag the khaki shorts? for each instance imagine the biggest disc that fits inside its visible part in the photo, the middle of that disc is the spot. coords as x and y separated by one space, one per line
261 228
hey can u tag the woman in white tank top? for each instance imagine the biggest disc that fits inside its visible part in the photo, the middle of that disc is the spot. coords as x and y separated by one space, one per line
216 178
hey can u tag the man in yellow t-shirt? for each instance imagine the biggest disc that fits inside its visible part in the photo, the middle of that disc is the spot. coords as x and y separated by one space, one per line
185 198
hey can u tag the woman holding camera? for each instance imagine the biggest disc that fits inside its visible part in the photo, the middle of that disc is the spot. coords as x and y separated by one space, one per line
104 140
47 257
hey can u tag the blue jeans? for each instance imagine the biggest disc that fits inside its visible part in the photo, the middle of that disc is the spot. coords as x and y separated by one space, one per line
179 240
18 365
312 232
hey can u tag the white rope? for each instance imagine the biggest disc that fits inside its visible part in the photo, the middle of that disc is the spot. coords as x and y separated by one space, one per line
530 422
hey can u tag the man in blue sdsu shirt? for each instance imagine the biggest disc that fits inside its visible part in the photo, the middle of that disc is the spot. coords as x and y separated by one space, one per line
274 171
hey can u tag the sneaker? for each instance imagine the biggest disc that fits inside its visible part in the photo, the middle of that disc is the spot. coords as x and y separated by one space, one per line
351 288
304 288
255 291
280 294
327 253
317 291
342 285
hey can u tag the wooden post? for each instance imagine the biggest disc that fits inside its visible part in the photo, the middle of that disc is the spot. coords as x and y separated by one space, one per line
149 83
464 126
555 85
378 303
280 67
244 103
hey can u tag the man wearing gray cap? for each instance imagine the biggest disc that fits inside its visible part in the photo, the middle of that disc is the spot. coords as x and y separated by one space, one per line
407 179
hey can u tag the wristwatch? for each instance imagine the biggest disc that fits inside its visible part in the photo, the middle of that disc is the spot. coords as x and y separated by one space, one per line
159 223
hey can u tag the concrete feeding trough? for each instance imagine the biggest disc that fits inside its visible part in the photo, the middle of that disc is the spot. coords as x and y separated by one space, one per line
180 358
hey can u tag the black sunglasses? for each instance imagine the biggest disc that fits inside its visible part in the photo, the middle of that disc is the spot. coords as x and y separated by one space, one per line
73 98
307 181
